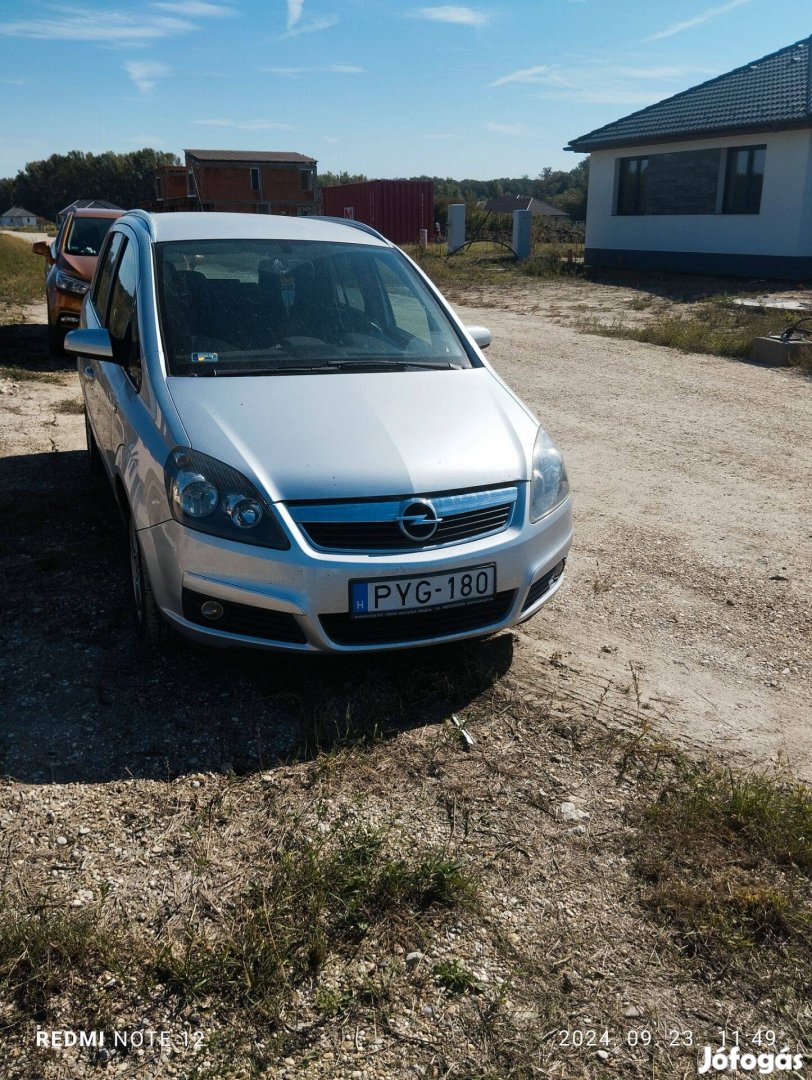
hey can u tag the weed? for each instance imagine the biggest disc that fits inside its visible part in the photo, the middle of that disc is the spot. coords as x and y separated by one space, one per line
320 898
726 860
712 327
70 406
455 978
44 951
20 374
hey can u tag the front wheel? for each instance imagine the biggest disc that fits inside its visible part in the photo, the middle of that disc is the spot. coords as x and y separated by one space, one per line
152 627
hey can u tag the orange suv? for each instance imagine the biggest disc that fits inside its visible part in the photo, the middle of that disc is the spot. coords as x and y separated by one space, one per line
72 259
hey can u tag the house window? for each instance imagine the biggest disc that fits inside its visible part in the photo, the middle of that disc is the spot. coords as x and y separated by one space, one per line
744 176
255 179
190 184
631 185
306 180
158 194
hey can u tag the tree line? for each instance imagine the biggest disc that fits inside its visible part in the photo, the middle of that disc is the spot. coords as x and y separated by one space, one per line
45 187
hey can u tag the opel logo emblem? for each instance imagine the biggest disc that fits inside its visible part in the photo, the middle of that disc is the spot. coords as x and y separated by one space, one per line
418 520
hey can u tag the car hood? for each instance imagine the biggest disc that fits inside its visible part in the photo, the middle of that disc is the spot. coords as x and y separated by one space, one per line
362 435
80 266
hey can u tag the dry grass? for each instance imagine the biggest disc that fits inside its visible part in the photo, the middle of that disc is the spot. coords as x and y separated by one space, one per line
21 272
716 327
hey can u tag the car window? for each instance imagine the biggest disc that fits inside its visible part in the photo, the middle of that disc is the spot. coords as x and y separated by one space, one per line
265 306
122 321
104 274
86 235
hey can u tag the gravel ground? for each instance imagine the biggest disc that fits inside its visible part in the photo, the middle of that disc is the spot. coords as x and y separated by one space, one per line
147 792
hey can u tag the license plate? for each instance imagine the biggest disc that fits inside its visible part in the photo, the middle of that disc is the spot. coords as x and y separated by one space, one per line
388 596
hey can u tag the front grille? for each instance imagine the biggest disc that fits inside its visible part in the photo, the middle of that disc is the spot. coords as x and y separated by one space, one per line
374 526
244 619
418 625
386 535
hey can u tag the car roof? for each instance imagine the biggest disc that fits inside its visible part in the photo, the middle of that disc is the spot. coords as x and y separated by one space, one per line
89 212
223 226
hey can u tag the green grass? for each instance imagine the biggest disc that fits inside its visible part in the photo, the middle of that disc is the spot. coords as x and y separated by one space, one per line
726 861
455 978
715 327
318 901
21 272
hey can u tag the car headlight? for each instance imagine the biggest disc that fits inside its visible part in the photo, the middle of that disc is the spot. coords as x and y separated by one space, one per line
209 496
71 284
549 485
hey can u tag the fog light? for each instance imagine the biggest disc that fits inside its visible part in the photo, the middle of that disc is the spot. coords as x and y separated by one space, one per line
211 610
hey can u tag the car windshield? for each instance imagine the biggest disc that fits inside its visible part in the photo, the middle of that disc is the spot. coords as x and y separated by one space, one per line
86 235
251 307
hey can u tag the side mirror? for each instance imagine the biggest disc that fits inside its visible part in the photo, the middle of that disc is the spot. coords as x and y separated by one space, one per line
42 248
94 343
481 335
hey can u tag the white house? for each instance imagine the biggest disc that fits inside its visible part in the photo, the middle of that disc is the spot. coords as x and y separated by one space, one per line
17 216
717 179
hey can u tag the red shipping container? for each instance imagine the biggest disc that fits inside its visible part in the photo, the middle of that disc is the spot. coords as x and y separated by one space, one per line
397 208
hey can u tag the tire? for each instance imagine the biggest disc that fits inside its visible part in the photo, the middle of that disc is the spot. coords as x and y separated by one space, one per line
150 623
94 461
56 339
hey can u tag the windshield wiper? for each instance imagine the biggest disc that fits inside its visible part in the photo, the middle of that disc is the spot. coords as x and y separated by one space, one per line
298 369
387 365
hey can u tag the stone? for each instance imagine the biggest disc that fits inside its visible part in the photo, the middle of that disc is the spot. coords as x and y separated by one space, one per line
568 811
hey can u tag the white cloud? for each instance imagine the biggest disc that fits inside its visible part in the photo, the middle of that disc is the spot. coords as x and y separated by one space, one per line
452 13
331 69
84 24
331 140
697 20
313 27
518 131
196 9
144 73
540 75
294 12
247 125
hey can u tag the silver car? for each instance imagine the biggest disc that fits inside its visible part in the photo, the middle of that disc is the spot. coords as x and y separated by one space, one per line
310 449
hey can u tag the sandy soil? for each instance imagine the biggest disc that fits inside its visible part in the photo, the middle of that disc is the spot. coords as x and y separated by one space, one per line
693 550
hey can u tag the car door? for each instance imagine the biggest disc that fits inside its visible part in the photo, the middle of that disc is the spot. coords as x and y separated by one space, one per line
120 383
90 369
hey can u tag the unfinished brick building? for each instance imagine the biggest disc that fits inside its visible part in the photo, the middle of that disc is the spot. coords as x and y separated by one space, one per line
241 181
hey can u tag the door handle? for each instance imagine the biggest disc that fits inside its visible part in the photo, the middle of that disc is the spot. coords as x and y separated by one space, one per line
89 373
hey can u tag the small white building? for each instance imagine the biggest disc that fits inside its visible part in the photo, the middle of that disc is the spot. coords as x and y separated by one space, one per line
17 216
717 179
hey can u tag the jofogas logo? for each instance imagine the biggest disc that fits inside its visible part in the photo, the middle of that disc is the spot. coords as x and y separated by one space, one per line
735 1059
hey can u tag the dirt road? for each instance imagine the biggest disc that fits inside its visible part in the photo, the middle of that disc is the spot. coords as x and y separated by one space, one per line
692 564
689 586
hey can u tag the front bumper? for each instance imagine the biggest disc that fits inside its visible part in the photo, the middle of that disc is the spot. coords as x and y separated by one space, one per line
298 600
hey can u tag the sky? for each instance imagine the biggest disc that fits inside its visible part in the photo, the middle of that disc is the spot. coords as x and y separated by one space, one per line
388 88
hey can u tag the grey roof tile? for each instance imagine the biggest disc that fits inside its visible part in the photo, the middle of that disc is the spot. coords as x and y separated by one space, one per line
775 91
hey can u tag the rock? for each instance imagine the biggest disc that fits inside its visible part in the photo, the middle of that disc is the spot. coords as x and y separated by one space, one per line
602 1054
62 841
568 811
578 830
427 1010
413 958
631 1012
